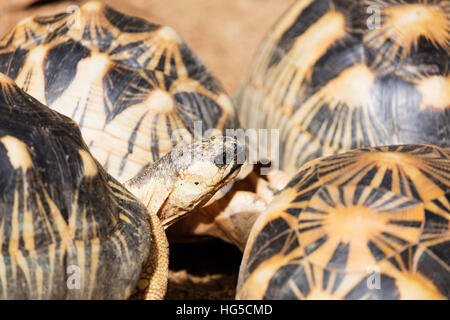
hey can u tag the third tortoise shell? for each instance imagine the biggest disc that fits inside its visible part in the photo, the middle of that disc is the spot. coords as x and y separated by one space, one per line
372 223
334 75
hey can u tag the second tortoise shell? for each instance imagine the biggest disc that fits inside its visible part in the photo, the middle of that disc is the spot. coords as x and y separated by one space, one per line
134 87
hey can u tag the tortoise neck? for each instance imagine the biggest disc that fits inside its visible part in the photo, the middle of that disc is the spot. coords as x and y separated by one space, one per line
152 186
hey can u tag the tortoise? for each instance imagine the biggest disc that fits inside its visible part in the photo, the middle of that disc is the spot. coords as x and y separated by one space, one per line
335 75
371 223
62 214
332 76
134 87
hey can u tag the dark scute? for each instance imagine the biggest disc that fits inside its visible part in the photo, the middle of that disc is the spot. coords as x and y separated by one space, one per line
434 264
11 37
325 196
6 169
429 55
382 55
394 263
27 196
193 106
338 281
297 178
116 266
131 46
162 61
406 255
374 196
294 211
380 135
154 141
413 189
168 82
394 98
340 56
124 87
306 19
20 282
398 107
56 33
321 118
18 285
406 223
425 58
434 223
103 38
441 184
268 242
368 177
376 252
306 196
388 289
441 252
417 149
46 20
131 143
394 238
197 71
127 23
60 67
173 68
309 180
279 287
340 256
313 246
11 63
132 51
294 243
357 195
387 180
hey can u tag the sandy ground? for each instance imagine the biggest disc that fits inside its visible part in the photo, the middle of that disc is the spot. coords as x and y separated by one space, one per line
225 35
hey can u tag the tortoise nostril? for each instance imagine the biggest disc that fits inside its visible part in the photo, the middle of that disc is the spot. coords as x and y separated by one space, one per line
222 160
239 148
232 152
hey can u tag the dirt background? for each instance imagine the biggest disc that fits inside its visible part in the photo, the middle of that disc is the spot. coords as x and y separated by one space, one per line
225 35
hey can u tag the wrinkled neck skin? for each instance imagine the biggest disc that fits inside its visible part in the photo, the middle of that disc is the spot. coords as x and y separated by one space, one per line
187 177
153 186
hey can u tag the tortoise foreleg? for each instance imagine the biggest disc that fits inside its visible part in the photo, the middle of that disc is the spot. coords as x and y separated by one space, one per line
153 282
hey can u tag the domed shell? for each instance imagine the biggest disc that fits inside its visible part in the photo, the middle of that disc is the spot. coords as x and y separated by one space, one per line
134 87
66 227
367 224
335 75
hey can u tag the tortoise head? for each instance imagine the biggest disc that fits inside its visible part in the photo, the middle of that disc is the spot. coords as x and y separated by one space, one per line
188 176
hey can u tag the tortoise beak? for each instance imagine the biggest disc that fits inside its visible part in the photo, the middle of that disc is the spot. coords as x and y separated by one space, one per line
232 154
239 150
